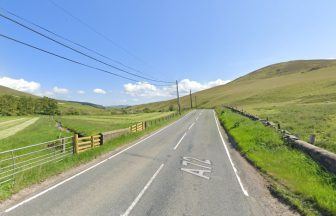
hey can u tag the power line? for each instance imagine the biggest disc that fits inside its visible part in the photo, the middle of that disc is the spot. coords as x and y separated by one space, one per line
80 52
71 41
94 30
70 60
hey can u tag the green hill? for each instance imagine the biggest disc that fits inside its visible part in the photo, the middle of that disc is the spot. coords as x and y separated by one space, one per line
8 91
300 95
66 107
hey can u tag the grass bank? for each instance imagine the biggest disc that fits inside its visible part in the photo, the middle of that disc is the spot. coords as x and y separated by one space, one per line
293 176
41 173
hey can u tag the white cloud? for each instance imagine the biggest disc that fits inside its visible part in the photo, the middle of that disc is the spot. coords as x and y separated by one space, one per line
58 90
80 92
20 84
143 89
99 91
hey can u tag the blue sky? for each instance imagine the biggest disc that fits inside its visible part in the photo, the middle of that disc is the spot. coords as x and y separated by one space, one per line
201 43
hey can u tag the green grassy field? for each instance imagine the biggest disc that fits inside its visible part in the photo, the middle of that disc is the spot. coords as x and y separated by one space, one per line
296 177
94 124
44 129
300 95
80 109
41 173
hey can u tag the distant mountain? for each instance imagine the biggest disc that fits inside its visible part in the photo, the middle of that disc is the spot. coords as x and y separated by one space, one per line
118 106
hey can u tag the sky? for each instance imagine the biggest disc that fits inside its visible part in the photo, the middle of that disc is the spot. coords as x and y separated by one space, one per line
199 43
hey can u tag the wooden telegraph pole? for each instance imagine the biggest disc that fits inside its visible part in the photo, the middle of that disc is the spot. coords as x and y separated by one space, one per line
195 102
178 98
191 106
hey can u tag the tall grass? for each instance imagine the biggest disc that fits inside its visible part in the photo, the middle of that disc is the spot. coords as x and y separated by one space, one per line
294 171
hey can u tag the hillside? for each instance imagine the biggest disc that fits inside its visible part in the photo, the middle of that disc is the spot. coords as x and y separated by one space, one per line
66 107
8 91
301 95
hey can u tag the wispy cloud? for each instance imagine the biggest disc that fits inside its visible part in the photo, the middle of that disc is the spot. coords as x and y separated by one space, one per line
80 92
59 90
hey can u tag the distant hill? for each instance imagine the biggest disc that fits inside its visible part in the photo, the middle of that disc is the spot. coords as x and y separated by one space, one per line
71 107
119 106
300 95
5 90
87 104
294 81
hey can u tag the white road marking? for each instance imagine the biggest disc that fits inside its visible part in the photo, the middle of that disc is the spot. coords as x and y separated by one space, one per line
192 158
128 211
197 172
88 169
185 163
185 133
228 154
191 125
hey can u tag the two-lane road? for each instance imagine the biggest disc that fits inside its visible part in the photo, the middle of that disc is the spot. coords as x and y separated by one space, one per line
183 169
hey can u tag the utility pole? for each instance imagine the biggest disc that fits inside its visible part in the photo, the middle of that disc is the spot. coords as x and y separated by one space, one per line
195 102
178 98
191 106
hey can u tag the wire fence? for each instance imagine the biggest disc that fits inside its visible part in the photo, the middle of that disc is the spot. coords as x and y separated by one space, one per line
19 160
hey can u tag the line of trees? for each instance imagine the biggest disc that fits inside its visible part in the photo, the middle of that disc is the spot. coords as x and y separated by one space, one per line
15 105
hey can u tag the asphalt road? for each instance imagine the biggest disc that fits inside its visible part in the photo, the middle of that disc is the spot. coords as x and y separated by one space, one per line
183 169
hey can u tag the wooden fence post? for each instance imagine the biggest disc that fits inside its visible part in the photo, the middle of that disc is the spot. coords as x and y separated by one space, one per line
63 145
312 139
76 144
101 138
92 142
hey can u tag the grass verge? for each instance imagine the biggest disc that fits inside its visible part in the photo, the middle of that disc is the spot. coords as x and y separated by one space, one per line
293 176
41 173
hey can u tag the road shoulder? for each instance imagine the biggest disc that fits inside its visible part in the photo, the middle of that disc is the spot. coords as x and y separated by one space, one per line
256 185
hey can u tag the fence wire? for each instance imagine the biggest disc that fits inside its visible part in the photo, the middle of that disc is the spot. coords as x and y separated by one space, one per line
16 161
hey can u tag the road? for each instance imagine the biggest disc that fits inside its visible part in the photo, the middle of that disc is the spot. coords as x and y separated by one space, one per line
182 169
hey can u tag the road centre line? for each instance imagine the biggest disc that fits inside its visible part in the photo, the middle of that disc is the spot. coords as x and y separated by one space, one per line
178 143
228 154
191 125
91 167
142 192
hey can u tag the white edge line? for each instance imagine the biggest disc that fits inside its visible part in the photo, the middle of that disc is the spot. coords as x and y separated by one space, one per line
185 133
89 168
130 208
228 154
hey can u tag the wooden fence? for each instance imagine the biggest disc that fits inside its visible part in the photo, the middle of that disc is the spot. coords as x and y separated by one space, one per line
138 127
82 144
